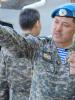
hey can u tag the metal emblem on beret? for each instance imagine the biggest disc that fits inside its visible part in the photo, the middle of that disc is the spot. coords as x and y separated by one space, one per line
62 12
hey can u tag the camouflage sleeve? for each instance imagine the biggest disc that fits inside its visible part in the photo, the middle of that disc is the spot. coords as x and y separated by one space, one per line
16 44
4 88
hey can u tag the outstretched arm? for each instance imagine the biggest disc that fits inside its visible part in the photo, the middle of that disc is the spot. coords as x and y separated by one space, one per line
16 44
18 47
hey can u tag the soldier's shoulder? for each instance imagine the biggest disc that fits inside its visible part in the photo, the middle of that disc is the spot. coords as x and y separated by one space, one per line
45 39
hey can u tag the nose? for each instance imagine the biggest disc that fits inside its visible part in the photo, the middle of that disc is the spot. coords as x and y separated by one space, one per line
59 28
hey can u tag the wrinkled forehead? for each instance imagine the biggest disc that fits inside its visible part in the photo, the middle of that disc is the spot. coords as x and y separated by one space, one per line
66 20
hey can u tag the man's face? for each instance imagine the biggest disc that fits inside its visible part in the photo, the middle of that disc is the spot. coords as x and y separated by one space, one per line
63 29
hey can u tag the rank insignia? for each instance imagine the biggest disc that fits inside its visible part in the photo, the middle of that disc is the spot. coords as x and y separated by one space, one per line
47 56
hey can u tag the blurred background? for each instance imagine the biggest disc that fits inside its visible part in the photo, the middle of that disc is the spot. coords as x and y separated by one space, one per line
10 10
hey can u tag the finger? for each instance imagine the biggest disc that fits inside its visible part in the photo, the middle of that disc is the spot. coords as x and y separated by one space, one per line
72 64
72 51
71 57
72 71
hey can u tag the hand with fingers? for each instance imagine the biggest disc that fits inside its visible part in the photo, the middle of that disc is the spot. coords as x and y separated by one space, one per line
71 61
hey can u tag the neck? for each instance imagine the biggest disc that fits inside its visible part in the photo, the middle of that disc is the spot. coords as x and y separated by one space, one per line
62 45
32 32
27 32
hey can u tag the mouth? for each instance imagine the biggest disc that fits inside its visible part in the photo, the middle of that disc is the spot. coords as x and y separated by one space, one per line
57 34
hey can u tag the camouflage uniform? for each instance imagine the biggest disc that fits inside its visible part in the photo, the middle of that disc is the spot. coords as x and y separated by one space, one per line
51 79
16 64
4 89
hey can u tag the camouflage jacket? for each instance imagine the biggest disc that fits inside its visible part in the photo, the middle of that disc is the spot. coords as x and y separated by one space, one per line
16 65
51 79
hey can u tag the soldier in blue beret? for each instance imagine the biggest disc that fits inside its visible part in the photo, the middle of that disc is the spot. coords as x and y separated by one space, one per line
53 60
54 71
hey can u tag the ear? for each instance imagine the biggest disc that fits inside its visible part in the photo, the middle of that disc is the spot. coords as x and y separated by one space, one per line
37 23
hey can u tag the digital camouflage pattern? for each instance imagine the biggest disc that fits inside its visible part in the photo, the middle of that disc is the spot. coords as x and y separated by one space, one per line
51 79
16 65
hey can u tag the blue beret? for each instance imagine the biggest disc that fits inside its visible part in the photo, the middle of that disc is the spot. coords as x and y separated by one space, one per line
66 10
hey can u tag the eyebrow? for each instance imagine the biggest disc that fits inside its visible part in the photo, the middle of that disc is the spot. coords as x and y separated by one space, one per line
63 21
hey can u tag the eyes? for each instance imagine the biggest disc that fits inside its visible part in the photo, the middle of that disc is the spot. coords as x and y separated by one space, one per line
62 23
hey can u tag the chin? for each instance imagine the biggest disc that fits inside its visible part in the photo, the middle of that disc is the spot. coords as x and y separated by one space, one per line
57 39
